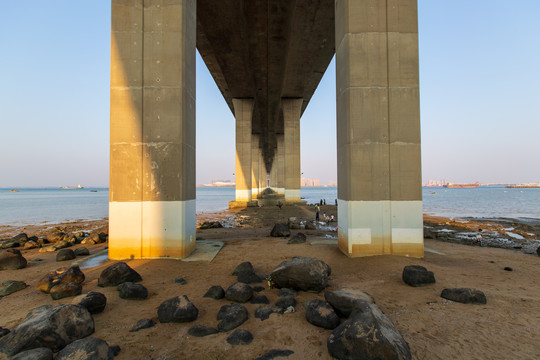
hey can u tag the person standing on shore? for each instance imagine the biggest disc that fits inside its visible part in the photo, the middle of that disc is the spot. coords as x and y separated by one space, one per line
479 237
317 213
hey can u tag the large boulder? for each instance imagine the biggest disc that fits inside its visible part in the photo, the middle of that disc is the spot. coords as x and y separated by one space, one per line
132 291
11 286
239 292
367 334
263 312
60 276
65 254
416 275
245 266
298 238
48 326
82 251
302 273
202 331
215 292
240 337
464 295
280 230
93 301
321 314
118 273
344 300
248 277
31 244
65 290
35 354
89 348
11 259
231 316
55 236
177 309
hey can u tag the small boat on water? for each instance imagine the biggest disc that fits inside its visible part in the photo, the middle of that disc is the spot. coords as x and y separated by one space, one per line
71 187
13 190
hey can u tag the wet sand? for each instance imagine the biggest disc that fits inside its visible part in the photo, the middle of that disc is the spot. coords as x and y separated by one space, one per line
505 328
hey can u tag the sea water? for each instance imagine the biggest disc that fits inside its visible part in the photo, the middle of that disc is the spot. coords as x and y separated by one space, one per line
34 206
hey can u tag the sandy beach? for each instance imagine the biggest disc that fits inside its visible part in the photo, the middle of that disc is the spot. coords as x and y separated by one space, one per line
505 328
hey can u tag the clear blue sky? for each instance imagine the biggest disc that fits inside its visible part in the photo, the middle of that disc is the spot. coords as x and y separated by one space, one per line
479 94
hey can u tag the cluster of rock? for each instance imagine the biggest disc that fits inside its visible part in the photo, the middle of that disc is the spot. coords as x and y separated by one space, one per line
283 230
55 241
210 225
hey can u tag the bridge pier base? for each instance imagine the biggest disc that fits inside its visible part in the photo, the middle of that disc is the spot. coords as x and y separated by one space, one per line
378 129
291 119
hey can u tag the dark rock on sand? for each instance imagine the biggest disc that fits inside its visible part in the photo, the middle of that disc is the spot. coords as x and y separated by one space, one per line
210 225
344 300
231 316
298 238
239 292
302 273
82 251
367 334
245 266
416 275
321 314
177 309
22 237
60 276
89 348
12 259
287 292
142 324
201 331
11 286
258 288
274 353
248 277
538 251
180 280
260 299
65 254
280 230
215 292
65 290
264 312
240 337
118 273
55 236
464 295
31 245
132 291
48 326
62 244
115 349
3 331
508 268
285 302
93 301
41 353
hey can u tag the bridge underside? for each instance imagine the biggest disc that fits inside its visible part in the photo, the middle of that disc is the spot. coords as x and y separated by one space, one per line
267 58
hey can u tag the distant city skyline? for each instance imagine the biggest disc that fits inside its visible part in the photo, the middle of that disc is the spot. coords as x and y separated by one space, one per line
479 106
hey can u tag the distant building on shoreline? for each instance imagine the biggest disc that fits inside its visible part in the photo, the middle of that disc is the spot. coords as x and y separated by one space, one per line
305 182
218 183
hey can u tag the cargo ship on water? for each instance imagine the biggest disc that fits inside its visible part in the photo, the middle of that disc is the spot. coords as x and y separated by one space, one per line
462 186
71 187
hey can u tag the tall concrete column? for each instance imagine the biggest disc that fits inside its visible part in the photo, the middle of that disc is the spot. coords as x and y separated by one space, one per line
243 111
152 129
280 164
255 187
291 116
378 128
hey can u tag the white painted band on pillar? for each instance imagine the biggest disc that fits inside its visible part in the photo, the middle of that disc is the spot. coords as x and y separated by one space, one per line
280 191
400 221
152 229
292 195
243 195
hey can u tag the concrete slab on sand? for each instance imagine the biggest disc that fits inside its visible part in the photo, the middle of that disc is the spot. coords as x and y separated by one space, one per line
206 250
324 242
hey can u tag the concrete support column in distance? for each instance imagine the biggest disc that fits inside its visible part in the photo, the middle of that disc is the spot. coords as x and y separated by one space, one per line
279 162
291 116
243 111
378 128
255 187
152 129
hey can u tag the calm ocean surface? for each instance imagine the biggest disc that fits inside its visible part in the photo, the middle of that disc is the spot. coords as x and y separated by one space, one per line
33 206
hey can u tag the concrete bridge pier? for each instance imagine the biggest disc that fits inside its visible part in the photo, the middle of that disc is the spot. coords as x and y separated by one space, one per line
152 134
255 150
291 118
378 128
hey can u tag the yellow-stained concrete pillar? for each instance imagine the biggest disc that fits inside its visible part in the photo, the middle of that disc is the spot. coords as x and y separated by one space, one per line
378 128
152 129
280 164
243 111
255 188
291 118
